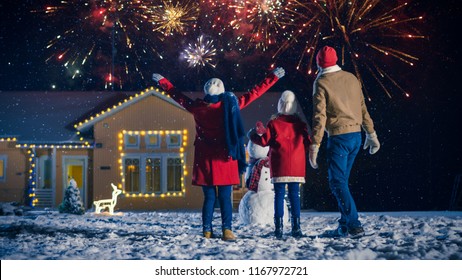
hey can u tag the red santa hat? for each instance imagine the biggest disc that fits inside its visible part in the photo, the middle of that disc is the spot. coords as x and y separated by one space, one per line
326 57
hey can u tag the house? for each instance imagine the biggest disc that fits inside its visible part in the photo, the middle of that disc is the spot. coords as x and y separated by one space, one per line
142 142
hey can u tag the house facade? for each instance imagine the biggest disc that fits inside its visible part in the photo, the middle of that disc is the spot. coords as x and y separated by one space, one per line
142 142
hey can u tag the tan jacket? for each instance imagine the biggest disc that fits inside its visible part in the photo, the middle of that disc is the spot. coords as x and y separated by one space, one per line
338 106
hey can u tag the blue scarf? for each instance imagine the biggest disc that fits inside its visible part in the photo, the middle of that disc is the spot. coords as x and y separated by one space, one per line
234 127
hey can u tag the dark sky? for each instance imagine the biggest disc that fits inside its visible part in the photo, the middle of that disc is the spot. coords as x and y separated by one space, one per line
421 136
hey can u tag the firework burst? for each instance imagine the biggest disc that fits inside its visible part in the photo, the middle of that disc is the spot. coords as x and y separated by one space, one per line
108 36
365 32
173 17
253 24
200 54
264 23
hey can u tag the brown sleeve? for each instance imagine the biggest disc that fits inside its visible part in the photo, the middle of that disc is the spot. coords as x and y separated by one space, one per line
319 114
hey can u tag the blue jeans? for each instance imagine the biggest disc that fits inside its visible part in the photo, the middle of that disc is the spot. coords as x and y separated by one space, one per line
226 206
294 198
341 153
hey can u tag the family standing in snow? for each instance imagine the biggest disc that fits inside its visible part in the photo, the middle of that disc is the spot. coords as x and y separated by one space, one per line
338 108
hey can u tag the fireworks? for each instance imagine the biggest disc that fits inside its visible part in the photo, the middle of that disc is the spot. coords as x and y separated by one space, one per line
263 23
170 18
365 32
117 38
253 24
109 36
200 54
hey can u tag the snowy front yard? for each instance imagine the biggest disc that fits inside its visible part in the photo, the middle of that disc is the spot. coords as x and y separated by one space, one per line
177 236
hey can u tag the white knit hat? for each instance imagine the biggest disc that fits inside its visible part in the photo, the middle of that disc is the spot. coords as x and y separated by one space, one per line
287 104
214 86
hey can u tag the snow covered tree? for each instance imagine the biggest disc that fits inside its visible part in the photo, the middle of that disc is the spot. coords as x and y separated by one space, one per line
72 202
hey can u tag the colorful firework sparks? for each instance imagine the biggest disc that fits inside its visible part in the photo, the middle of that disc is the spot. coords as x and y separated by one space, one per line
254 24
364 31
200 54
110 35
264 23
174 17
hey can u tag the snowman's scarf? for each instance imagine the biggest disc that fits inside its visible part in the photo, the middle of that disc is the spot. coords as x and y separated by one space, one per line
234 127
255 174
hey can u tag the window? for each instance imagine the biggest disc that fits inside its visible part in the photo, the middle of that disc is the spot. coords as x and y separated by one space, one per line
3 168
153 173
174 174
132 141
132 174
152 141
173 140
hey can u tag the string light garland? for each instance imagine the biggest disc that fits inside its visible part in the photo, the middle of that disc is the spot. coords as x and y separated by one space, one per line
116 107
181 149
31 199
8 139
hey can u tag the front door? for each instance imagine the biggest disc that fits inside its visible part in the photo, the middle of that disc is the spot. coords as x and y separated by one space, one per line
75 167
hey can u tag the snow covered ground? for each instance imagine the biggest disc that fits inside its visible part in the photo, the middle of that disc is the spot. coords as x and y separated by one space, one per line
173 235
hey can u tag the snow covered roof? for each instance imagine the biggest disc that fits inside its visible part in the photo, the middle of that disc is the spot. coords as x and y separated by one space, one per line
56 117
112 108
49 116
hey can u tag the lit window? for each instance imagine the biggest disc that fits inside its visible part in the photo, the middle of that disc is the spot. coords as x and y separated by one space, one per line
153 175
2 168
153 141
132 141
132 174
174 174
174 140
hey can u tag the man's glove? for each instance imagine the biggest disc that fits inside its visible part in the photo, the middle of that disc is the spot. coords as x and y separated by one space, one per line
157 77
313 156
372 142
279 72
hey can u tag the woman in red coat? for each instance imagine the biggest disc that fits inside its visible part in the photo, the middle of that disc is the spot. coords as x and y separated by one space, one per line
287 136
219 155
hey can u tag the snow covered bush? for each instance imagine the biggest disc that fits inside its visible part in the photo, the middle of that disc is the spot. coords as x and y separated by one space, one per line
72 203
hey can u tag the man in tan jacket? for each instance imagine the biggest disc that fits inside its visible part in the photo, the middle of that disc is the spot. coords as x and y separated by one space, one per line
339 109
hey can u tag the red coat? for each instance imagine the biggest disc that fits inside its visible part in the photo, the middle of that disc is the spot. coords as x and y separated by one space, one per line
212 165
288 139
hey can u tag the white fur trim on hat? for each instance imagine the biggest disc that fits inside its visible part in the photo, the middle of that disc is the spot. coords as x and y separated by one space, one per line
214 86
287 104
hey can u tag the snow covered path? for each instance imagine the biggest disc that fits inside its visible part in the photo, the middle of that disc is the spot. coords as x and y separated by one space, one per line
176 236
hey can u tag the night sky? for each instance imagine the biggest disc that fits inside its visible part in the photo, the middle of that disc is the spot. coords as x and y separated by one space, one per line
421 139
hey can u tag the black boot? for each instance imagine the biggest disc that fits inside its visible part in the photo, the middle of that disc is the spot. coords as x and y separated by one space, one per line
278 223
296 231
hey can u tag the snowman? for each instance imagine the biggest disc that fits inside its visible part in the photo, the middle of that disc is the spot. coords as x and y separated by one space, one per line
257 205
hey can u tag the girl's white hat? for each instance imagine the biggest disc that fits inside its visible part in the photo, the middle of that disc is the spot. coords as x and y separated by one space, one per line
287 104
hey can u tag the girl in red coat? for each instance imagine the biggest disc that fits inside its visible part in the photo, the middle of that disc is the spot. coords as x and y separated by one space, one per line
287 136
219 155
